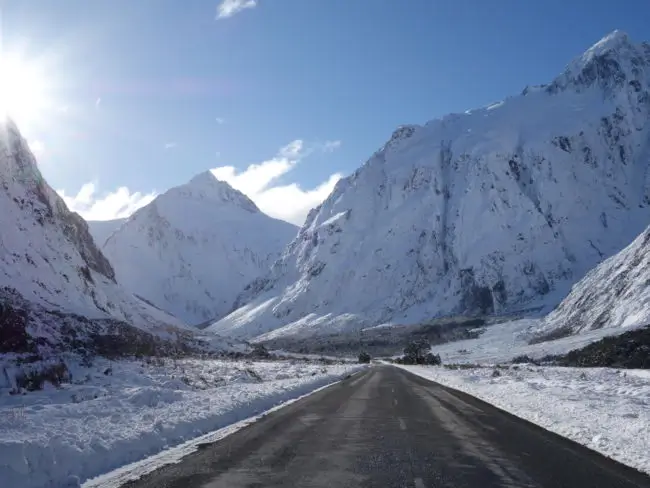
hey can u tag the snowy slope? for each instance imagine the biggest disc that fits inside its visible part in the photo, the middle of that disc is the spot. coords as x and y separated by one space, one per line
494 209
101 230
48 260
192 249
616 294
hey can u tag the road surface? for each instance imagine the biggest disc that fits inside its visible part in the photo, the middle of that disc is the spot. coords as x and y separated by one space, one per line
389 428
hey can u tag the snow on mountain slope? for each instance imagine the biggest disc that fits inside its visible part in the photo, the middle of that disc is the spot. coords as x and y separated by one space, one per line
616 294
49 263
192 249
494 209
101 230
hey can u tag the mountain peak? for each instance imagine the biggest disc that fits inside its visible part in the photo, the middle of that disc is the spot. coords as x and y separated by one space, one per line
468 213
204 179
608 63
207 186
193 248
613 40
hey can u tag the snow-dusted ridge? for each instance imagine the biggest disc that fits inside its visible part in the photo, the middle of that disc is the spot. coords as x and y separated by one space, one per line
193 248
492 210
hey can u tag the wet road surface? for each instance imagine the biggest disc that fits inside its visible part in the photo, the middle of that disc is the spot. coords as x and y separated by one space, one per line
388 428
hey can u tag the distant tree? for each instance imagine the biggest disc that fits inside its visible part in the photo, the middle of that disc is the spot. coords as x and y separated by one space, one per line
522 360
364 357
432 359
260 351
415 352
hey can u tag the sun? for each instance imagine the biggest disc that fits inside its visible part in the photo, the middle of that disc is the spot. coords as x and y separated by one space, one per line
23 89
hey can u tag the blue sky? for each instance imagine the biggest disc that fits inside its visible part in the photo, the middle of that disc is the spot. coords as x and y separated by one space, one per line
142 95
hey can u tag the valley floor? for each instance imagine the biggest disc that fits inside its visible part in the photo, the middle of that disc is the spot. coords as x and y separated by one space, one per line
607 410
106 418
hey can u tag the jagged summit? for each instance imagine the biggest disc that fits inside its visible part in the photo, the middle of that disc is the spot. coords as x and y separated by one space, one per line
205 186
208 182
612 41
611 62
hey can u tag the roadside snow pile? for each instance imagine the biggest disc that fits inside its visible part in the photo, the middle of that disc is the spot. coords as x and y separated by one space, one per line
115 413
604 409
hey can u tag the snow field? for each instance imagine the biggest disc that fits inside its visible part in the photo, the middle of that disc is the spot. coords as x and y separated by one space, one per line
62 437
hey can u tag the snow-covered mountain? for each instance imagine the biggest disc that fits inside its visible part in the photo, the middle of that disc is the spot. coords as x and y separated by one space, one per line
101 230
50 267
195 247
494 209
616 294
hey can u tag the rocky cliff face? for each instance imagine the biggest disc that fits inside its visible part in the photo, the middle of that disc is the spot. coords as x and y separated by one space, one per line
495 209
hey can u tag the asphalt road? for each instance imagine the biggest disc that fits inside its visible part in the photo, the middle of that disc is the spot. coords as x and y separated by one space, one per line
388 428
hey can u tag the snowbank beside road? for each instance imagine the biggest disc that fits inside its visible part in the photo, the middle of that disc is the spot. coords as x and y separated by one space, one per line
606 410
62 437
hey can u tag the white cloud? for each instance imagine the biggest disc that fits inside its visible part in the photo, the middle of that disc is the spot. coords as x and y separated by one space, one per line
220 120
228 8
291 202
170 145
37 148
331 146
288 202
295 150
118 204
98 102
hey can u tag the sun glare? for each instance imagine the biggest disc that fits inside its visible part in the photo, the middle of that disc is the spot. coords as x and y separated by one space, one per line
23 90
